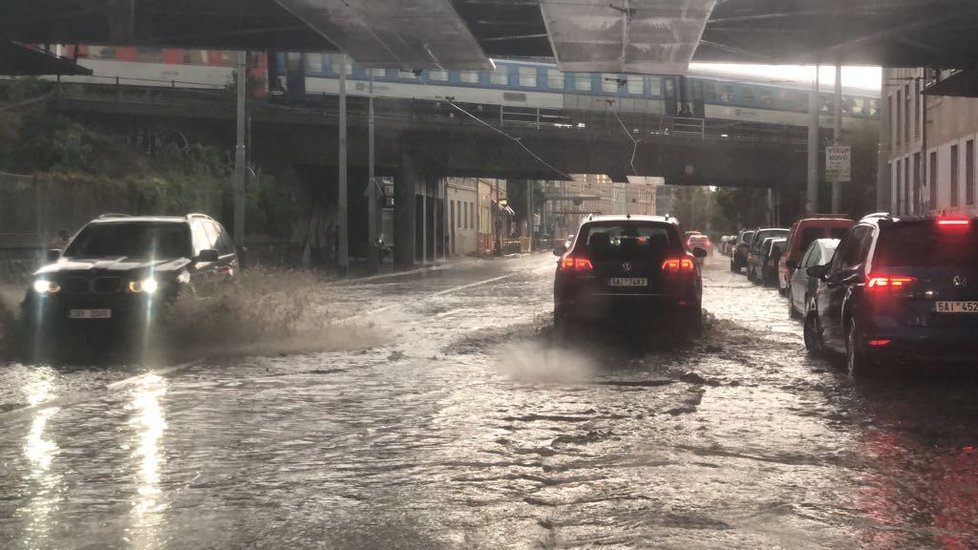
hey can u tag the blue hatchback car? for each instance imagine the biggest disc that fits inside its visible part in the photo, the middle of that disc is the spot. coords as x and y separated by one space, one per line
898 290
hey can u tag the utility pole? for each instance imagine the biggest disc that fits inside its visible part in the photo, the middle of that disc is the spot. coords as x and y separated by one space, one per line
240 152
373 251
837 135
814 103
341 207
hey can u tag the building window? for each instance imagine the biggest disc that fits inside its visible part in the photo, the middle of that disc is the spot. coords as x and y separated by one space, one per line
438 75
899 117
555 79
465 215
915 205
471 77
919 103
954 175
906 185
897 187
451 218
636 85
500 76
907 103
969 173
528 77
582 82
933 180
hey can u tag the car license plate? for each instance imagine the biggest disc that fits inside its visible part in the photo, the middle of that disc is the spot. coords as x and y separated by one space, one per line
628 281
957 307
90 314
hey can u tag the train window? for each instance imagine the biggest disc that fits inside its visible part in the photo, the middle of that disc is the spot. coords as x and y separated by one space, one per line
746 95
314 63
670 88
874 107
726 94
377 73
102 52
655 86
438 75
337 60
472 77
582 82
636 85
194 57
710 91
767 98
149 55
610 83
528 77
406 75
555 79
500 76
294 61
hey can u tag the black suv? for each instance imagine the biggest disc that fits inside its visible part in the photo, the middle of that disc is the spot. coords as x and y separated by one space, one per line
898 290
629 268
119 269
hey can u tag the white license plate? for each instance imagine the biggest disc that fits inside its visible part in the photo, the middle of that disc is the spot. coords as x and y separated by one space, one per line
956 307
90 314
629 281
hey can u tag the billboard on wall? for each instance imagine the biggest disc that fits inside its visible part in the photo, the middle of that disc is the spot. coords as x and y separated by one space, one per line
838 163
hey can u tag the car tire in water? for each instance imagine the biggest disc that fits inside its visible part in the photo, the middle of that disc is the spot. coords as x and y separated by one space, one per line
859 363
693 325
813 336
792 312
733 266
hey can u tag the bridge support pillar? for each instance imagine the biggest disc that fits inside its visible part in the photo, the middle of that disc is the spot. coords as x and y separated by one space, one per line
405 192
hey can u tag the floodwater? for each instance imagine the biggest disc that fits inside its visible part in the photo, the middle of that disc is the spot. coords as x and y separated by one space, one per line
436 413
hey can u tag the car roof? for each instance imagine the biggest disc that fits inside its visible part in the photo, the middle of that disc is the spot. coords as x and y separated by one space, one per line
141 219
630 217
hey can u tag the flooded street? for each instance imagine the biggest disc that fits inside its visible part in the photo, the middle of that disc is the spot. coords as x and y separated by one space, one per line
451 421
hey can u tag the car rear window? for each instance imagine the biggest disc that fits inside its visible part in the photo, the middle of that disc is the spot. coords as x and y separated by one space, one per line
809 234
927 245
137 239
746 237
623 240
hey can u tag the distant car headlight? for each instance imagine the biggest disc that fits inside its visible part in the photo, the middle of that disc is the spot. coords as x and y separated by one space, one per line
148 285
42 286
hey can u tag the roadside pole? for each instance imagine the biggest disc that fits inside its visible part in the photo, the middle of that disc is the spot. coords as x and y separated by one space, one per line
811 202
837 136
341 212
373 252
240 152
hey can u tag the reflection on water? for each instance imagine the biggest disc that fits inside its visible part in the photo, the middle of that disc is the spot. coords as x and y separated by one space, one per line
149 422
42 484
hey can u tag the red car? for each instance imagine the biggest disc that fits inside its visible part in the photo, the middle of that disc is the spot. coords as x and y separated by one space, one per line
699 241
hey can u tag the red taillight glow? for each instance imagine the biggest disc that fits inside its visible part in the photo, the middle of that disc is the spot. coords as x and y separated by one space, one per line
953 222
879 343
575 263
678 265
883 283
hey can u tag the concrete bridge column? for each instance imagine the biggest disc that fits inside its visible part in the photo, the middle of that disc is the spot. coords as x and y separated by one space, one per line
404 212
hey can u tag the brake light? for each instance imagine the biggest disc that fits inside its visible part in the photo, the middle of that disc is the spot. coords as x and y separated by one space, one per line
889 283
575 263
949 222
678 265
879 343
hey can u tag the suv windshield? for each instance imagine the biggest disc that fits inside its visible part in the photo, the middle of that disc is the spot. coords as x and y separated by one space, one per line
622 240
139 239
925 244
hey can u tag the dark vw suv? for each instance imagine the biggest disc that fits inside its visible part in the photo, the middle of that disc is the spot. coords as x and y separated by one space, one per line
898 290
631 269
119 269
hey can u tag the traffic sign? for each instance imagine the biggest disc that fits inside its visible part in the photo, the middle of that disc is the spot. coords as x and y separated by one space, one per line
838 163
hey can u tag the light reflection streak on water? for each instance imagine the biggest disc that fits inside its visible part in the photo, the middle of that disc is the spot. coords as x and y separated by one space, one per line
41 483
149 422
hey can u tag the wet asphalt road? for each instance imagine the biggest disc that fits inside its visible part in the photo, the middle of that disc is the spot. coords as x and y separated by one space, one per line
461 427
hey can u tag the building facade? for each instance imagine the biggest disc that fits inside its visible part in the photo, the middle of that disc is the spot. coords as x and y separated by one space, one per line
462 222
569 202
932 142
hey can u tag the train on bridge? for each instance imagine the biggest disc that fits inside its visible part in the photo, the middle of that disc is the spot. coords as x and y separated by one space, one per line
513 84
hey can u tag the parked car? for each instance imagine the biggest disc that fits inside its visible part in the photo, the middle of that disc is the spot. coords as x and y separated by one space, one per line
801 288
803 233
755 258
700 241
898 291
738 260
631 269
773 249
724 245
120 271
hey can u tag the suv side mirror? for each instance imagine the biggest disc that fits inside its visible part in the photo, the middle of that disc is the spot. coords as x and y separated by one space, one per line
560 248
53 254
208 255
818 271
699 252
791 264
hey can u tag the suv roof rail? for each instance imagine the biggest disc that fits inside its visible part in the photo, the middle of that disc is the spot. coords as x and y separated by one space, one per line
113 215
193 215
877 216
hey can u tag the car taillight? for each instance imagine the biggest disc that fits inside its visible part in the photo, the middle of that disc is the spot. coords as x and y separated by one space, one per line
953 222
576 263
678 265
879 284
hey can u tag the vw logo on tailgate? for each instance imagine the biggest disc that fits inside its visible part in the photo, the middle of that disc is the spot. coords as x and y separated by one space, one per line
960 280
626 267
